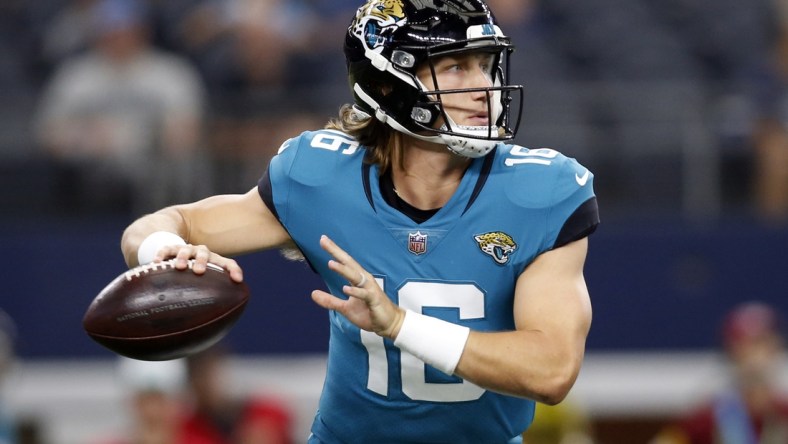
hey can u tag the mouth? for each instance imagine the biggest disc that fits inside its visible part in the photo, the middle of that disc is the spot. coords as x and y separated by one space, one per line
479 119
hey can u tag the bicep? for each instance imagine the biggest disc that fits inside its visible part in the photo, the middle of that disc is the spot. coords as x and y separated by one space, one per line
542 358
233 224
551 296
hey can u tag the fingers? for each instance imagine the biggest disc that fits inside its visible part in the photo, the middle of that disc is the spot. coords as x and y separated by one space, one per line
367 305
339 254
344 264
199 253
201 256
232 267
358 280
327 300
361 281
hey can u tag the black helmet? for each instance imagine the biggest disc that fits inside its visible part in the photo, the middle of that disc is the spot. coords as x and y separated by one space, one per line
389 39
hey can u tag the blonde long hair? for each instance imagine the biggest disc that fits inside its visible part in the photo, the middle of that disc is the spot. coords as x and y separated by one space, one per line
381 141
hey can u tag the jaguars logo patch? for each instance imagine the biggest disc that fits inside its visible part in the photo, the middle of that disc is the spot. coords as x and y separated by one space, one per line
496 244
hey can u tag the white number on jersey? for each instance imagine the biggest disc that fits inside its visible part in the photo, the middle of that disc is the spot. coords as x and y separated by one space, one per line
539 156
415 296
333 141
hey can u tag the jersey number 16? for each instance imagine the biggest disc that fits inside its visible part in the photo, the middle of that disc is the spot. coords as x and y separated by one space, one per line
414 296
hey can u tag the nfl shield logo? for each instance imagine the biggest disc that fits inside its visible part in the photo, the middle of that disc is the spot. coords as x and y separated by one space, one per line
417 243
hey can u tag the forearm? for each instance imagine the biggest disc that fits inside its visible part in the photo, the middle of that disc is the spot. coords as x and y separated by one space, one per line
168 219
523 363
229 225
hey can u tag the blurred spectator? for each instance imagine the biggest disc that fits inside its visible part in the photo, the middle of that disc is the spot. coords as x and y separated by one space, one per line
17 87
123 114
68 32
220 417
154 392
771 170
564 423
771 130
14 428
553 112
7 333
753 410
263 79
240 46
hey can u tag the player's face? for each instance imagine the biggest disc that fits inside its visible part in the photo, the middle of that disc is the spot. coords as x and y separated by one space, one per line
156 409
468 70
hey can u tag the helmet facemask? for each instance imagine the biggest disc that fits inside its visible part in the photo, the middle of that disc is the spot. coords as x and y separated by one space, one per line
465 140
385 53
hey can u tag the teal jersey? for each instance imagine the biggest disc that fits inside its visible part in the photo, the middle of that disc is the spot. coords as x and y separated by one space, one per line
459 265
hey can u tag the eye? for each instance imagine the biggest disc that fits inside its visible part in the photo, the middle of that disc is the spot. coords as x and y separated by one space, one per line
449 64
486 64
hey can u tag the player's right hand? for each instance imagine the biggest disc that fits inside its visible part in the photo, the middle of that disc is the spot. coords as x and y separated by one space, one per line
202 256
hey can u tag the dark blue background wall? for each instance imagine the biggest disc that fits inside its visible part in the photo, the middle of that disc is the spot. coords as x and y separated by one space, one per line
654 285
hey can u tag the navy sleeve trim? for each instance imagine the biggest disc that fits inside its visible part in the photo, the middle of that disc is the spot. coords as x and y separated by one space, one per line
365 170
266 192
580 224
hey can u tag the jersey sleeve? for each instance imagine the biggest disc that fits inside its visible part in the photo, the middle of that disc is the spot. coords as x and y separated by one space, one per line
556 194
277 172
303 163
574 213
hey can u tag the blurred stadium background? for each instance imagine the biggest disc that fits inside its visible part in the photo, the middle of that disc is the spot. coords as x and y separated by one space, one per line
665 100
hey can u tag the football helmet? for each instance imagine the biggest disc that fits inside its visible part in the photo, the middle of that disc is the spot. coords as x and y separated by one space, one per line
388 40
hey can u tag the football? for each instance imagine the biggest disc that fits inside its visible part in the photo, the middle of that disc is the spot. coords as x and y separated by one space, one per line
156 312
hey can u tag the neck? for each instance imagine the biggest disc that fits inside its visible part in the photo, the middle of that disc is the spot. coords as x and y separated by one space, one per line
427 175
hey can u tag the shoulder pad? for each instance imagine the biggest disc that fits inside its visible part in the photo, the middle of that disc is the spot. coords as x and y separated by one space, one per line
312 157
544 177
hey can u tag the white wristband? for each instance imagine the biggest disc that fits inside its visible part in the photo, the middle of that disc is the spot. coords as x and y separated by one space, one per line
154 242
434 341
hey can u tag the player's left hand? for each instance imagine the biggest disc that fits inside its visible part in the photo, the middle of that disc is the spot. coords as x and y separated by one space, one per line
367 307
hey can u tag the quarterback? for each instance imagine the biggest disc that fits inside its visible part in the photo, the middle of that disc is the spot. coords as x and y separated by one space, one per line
453 259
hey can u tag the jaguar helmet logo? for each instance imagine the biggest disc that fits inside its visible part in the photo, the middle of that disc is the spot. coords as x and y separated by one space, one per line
377 20
386 9
496 244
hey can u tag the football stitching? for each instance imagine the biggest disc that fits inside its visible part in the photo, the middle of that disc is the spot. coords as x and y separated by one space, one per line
154 266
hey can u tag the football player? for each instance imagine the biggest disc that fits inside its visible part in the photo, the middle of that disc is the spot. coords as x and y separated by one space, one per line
454 261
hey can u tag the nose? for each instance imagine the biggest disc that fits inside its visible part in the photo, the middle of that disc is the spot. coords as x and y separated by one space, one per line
481 75
480 78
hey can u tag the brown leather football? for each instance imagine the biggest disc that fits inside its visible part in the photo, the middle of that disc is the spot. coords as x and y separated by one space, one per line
155 312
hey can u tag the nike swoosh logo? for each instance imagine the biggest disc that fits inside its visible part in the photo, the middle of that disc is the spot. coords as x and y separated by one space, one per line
581 180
